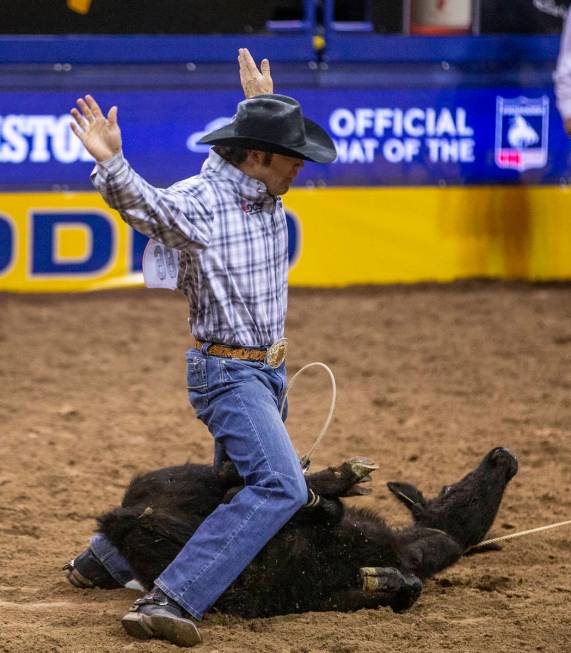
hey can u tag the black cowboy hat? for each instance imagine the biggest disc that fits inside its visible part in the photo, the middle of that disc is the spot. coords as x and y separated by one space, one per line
275 123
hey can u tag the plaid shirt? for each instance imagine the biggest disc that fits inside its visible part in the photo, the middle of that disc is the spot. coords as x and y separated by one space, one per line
232 238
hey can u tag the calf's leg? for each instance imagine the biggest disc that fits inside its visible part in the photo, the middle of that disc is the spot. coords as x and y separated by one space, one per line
324 488
343 481
382 587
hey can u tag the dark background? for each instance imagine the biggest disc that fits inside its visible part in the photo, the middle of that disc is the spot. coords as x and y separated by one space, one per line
251 16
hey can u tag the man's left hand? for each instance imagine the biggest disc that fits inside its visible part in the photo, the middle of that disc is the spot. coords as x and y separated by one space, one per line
254 81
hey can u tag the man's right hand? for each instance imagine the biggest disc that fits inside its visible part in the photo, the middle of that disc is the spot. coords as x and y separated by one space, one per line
567 125
101 136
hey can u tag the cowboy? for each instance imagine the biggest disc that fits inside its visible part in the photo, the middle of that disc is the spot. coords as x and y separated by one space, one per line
229 228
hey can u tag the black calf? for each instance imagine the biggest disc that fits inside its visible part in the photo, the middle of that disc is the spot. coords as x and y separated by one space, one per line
327 557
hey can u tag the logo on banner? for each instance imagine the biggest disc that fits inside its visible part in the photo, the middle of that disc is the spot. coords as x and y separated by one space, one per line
192 141
522 128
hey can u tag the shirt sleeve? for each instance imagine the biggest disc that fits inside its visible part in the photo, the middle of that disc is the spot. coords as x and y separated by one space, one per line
179 217
562 75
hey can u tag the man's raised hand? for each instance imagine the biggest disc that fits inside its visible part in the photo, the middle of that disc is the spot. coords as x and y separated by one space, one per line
254 81
100 135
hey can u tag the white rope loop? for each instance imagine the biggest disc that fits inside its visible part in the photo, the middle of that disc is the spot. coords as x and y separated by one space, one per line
306 460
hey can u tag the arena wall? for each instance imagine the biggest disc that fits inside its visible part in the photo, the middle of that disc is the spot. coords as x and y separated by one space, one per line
338 236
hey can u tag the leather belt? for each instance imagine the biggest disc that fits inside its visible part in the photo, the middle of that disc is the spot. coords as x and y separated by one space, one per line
274 355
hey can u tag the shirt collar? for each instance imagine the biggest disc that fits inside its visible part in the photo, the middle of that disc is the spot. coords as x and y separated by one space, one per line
248 185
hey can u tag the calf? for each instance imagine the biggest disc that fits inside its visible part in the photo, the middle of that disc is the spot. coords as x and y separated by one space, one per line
328 557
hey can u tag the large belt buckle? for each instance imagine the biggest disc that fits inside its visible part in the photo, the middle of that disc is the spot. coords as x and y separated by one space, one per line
275 355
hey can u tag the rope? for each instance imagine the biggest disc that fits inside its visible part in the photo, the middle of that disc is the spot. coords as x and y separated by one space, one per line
306 460
511 536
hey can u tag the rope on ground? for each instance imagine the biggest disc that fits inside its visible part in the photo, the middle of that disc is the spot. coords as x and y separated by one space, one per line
511 536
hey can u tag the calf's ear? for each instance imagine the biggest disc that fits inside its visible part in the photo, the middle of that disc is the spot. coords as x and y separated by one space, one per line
409 495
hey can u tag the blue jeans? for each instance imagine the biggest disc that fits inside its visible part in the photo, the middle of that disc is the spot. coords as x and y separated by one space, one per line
239 402
111 559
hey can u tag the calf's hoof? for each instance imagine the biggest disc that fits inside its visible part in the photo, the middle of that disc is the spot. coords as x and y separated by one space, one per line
357 470
361 467
402 590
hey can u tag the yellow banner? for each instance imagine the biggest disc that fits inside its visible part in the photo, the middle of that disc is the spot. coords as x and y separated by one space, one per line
59 242
394 235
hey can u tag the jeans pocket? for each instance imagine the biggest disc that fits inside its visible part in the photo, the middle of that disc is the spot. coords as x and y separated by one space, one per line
197 381
234 370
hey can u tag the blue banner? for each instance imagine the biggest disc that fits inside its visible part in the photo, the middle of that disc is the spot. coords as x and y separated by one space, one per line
420 136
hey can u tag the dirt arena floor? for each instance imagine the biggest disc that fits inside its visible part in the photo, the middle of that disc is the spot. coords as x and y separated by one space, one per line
92 390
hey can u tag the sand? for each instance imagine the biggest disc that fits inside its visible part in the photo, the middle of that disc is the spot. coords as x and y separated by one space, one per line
92 390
